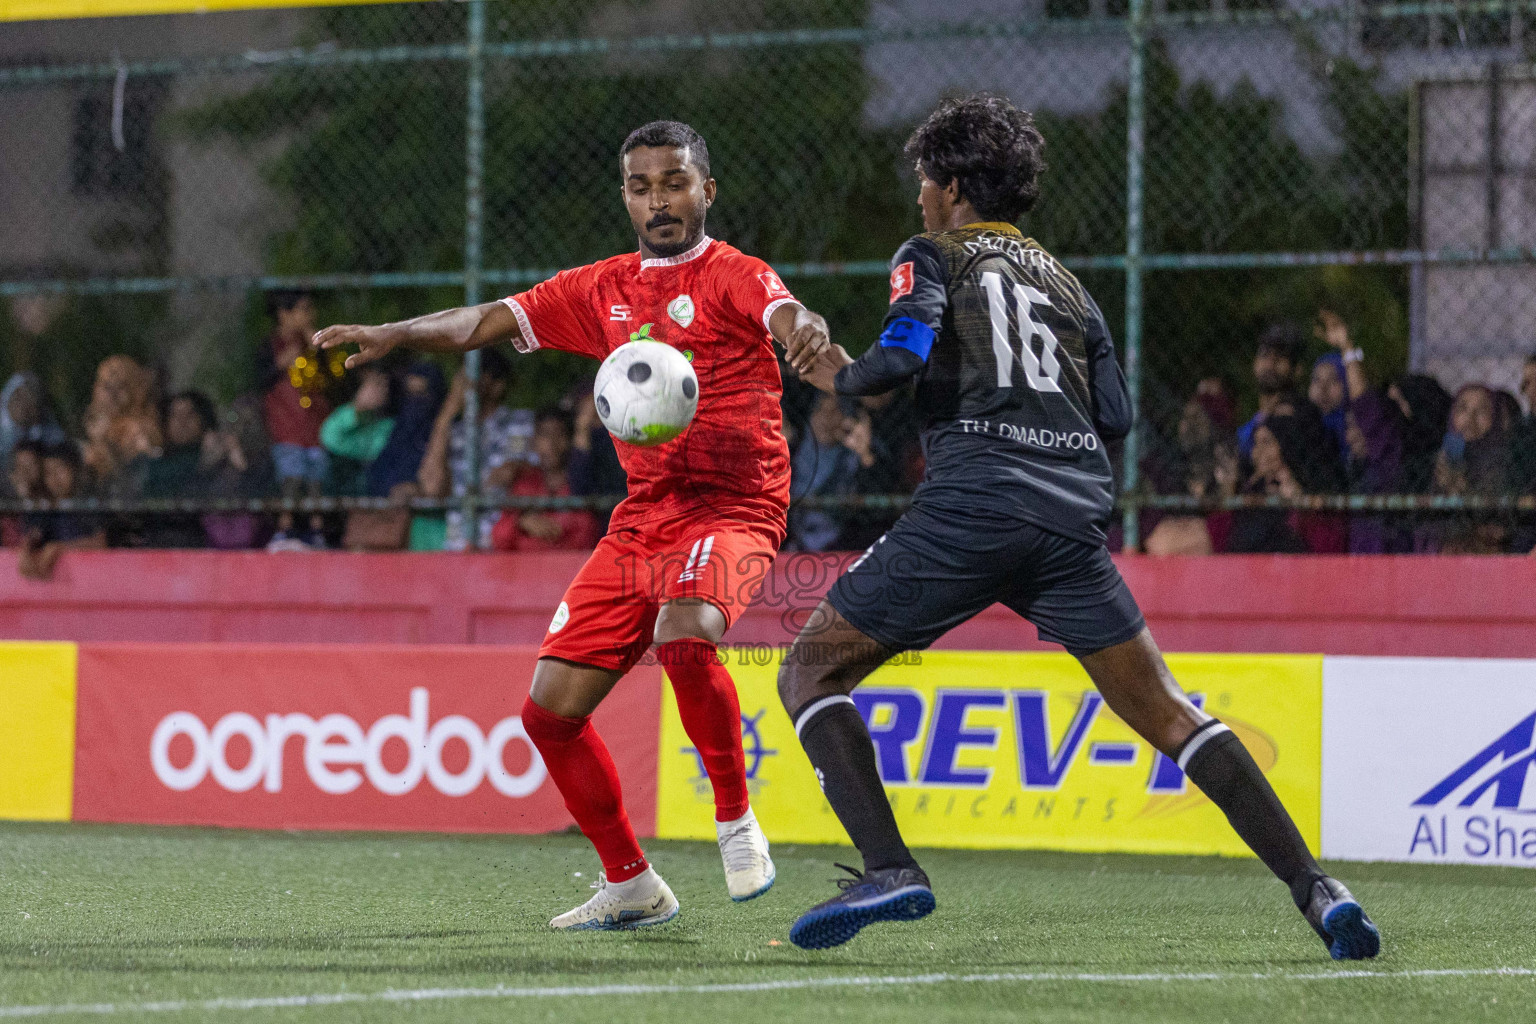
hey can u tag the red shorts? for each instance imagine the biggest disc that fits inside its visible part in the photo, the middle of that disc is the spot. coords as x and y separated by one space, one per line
608 616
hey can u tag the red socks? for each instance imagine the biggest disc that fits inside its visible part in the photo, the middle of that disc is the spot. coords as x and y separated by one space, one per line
584 773
711 714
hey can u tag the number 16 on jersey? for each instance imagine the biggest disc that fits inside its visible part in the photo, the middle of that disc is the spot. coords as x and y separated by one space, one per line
1041 372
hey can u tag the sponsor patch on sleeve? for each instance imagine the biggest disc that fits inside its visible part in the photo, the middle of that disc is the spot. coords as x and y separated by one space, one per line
901 280
773 285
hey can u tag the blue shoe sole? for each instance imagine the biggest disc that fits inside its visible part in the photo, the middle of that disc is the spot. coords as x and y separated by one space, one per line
1354 936
754 895
831 926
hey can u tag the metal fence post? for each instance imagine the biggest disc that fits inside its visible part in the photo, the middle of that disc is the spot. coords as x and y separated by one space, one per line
474 212
1135 145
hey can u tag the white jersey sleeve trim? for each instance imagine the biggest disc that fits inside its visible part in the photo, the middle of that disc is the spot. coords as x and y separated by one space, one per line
528 342
772 308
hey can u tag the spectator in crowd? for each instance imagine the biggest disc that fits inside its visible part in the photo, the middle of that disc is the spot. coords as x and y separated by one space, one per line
49 535
1474 457
838 455
199 461
1474 460
504 437
1425 408
393 473
25 416
122 424
594 466
878 472
821 465
24 482
1274 376
1372 437
1204 465
1329 395
1285 465
894 420
546 475
295 385
356 433
399 460
1523 447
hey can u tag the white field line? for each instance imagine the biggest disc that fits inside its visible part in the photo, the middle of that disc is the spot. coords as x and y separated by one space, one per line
785 985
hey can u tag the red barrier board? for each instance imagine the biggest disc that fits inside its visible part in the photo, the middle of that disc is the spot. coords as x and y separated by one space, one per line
334 737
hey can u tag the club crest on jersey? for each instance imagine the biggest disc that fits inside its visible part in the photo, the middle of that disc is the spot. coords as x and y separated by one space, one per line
681 310
901 280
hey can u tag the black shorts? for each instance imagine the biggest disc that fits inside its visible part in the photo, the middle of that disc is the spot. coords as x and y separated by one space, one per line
936 568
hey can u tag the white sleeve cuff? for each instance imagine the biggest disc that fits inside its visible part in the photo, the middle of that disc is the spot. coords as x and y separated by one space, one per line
770 309
527 342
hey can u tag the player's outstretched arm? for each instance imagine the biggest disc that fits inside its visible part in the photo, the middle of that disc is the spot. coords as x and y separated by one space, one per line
803 334
452 330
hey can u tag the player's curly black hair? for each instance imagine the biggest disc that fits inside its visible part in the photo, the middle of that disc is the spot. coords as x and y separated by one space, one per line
991 146
669 133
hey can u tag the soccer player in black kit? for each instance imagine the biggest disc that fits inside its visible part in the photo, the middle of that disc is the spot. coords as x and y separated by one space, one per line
1020 392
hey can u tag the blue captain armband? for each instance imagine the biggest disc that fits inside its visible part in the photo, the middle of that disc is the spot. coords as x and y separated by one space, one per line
913 335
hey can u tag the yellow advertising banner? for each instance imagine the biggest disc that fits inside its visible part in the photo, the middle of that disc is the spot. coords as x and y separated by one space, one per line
43 10
37 730
1015 751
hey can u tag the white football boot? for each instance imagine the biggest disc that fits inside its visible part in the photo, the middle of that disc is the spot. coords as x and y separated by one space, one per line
619 906
744 849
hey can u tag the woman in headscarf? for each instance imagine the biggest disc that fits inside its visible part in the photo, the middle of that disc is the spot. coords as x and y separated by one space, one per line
1329 392
25 416
1425 407
392 474
122 423
1291 458
1474 460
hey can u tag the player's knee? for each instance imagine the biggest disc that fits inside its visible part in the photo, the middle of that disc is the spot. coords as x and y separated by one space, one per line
689 619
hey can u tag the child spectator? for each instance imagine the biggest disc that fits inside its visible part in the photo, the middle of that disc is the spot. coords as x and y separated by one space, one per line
504 436
49 535
358 431
24 482
295 381
546 476
25 416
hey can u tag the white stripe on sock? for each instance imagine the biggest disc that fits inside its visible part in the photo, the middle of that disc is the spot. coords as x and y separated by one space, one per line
817 708
1199 741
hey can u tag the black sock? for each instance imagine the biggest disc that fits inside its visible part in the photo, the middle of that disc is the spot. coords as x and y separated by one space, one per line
1216 761
837 742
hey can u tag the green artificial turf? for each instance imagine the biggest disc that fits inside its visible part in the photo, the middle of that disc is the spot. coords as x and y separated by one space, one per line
122 917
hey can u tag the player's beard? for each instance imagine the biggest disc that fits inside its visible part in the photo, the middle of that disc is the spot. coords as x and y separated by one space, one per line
691 235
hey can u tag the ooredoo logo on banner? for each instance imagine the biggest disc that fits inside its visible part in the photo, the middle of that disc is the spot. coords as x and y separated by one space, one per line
338 737
1430 760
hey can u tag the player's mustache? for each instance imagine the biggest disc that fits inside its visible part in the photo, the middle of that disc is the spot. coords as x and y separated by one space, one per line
661 219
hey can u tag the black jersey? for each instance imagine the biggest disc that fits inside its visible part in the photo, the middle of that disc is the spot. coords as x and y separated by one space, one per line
1017 382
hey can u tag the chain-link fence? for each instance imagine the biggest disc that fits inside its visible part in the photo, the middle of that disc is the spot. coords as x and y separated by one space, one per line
1217 170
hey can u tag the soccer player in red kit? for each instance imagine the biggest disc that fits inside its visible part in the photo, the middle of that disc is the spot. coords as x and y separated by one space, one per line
688 548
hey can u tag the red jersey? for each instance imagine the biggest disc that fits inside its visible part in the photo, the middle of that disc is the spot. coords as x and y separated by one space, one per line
712 303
